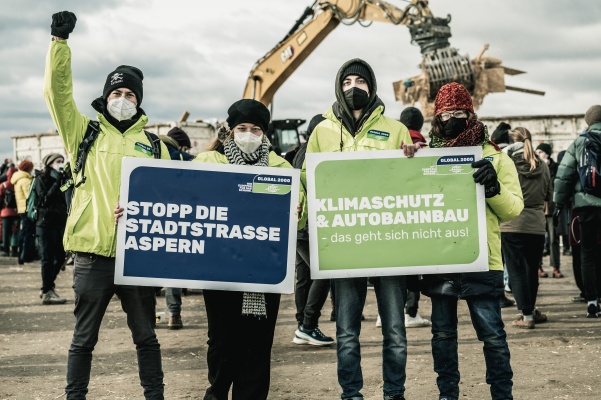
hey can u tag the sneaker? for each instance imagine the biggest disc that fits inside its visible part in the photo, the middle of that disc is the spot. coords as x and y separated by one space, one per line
539 317
593 311
378 322
416 322
175 322
567 252
313 336
542 274
299 340
50 297
522 323
395 397
507 288
578 299
557 273
505 302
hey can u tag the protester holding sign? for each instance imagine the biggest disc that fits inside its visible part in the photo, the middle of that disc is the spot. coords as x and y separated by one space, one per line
456 125
90 230
241 324
356 122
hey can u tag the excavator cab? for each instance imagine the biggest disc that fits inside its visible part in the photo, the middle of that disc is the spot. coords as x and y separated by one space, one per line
284 135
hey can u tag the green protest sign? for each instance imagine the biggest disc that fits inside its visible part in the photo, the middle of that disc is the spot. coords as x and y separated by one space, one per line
378 213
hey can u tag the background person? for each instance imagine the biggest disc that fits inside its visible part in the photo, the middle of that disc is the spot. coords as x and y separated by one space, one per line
456 125
50 224
90 230
523 238
309 294
544 152
568 186
178 143
21 181
10 217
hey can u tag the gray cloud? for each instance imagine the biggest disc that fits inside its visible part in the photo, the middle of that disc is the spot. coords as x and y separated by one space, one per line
199 61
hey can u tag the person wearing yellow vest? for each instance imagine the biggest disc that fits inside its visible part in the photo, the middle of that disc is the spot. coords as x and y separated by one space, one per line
356 122
90 231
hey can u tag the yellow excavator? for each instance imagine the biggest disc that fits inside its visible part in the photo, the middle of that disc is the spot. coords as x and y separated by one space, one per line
441 64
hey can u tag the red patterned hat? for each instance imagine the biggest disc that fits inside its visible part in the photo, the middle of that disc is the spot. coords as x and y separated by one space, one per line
453 96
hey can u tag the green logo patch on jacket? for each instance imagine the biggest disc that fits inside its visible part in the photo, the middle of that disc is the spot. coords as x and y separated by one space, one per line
378 135
144 148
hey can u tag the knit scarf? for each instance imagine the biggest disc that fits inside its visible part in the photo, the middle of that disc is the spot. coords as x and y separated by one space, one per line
476 134
253 304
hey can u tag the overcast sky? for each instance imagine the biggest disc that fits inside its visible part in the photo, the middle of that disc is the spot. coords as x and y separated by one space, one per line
196 55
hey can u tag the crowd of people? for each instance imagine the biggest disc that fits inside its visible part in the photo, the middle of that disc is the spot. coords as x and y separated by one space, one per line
531 200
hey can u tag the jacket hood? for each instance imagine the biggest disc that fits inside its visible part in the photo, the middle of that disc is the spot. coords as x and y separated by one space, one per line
516 152
342 110
18 175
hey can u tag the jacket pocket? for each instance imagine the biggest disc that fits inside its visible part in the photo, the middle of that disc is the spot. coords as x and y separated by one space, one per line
80 203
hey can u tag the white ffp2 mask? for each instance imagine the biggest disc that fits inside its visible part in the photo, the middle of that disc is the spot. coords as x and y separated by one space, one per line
247 142
121 109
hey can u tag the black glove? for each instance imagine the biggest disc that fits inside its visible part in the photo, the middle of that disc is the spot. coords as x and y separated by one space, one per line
487 176
556 214
63 24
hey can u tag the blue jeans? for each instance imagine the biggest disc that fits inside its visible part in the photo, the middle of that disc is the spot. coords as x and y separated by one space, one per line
93 283
173 300
486 319
349 302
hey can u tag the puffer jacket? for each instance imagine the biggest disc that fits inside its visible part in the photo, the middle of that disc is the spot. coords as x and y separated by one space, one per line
91 225
21 180
505 206
536 189
567 183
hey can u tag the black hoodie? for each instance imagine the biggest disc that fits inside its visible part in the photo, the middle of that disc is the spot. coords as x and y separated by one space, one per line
343 112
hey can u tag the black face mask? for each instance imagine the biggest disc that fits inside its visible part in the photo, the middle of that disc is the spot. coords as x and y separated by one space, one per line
356 98
454 127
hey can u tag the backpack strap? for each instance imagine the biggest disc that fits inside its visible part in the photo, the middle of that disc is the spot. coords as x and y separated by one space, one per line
84 147
155 142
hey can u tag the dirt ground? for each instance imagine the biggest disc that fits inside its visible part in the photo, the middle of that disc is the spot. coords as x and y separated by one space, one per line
557 360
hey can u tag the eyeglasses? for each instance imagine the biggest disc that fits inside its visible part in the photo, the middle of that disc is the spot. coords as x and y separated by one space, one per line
445 116
255 129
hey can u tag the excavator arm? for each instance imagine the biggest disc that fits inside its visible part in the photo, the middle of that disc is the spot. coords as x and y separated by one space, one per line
440 64
317 21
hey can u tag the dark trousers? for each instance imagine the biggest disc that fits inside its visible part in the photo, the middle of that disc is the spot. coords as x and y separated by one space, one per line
590 223
239 353
577 268
53 254
93 283
310 295
412 303
10 233
522 253
27 239
552 243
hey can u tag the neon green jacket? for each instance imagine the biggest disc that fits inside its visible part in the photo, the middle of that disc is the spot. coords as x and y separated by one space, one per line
505 206
91 224
377 133
274 161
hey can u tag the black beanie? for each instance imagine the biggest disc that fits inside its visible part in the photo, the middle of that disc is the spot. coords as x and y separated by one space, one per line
412 118
180 137
313 123
501 133
248 111
359 69
124 76
546 148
